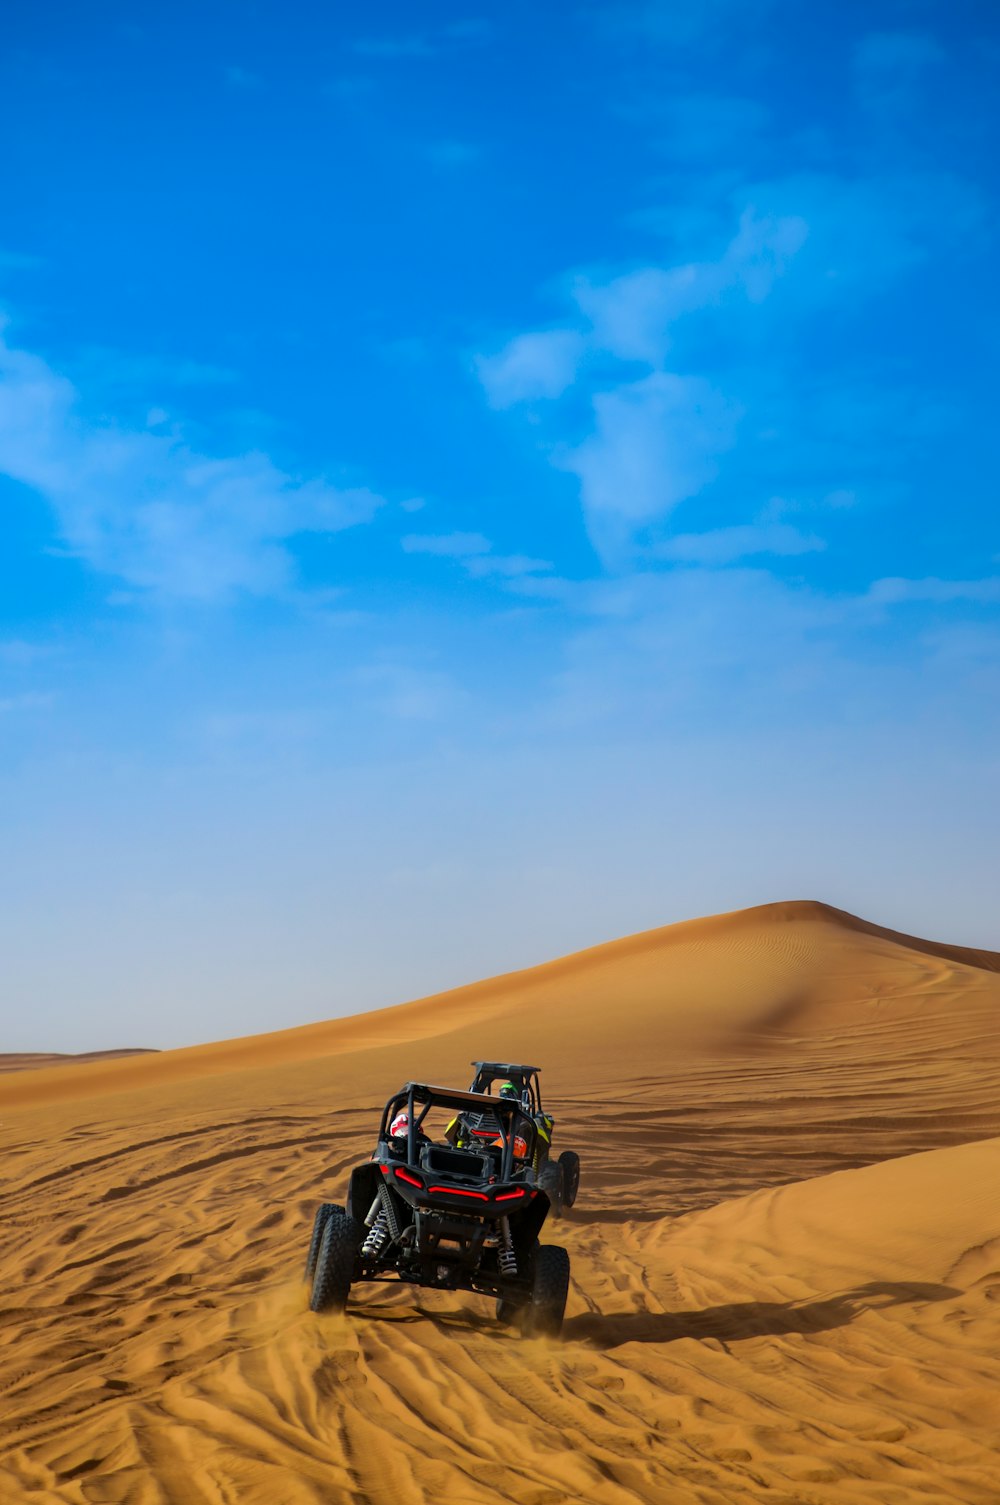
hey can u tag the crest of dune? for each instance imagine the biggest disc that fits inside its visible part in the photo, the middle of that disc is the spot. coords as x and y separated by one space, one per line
786 1251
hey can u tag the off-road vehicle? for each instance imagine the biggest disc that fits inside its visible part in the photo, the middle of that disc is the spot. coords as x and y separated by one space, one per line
455 1219
559 1178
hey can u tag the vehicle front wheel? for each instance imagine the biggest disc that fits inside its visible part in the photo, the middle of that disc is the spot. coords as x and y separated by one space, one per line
335 1261
570 1162
549 1289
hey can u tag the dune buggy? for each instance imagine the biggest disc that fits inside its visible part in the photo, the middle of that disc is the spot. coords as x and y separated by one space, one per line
558 1178
446 1217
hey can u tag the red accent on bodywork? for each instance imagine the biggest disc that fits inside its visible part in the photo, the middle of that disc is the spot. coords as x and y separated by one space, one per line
410 1180
453 1191
507 1196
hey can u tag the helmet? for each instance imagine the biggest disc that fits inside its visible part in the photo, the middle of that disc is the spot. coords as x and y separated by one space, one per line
399 1128
507 1089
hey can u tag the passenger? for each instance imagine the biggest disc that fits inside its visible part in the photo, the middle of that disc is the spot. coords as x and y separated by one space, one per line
399 1131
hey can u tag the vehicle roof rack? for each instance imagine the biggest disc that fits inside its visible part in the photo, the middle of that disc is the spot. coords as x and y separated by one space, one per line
502 1066
452 1097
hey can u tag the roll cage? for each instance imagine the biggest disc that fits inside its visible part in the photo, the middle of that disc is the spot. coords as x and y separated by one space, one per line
524 1078
418 1098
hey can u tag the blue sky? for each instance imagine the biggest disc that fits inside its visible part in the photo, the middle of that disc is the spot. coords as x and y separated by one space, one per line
481 481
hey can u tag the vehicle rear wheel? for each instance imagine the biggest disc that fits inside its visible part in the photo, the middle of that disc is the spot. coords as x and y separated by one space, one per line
335 1261
509 1309
551 1182
570 1162
549 1289
323 1211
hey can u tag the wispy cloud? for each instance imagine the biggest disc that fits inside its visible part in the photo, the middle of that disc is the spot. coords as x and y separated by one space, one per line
632 316
895 591
149 510
542 364
655 443
721 546
724 335
474 551
508 566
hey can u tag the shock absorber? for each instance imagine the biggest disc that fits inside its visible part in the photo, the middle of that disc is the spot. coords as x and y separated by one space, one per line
384 1227
506 1258
376 1236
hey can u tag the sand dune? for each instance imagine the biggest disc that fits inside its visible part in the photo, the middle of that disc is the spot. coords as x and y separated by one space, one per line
786 1253
32 1060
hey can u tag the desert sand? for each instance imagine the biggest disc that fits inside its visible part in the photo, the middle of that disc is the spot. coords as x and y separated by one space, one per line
786 1250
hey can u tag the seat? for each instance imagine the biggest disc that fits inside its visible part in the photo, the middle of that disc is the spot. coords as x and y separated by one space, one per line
444 1161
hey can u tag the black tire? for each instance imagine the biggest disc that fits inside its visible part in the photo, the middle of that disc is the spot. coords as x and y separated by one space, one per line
570 1162
335 1262
323 1211
549 1289
509 1310
550 1180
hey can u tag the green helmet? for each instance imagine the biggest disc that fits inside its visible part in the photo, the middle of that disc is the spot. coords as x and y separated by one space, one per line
507 1089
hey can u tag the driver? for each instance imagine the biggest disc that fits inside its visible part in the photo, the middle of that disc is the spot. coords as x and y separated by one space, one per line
461 1132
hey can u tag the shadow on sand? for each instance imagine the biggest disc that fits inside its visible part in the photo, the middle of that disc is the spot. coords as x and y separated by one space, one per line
748 1319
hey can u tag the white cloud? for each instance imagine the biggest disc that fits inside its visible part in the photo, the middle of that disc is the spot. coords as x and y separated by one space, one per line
894 590
866 230
475 554
631 316
511 566
542 364
722 546
655 442
146 508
